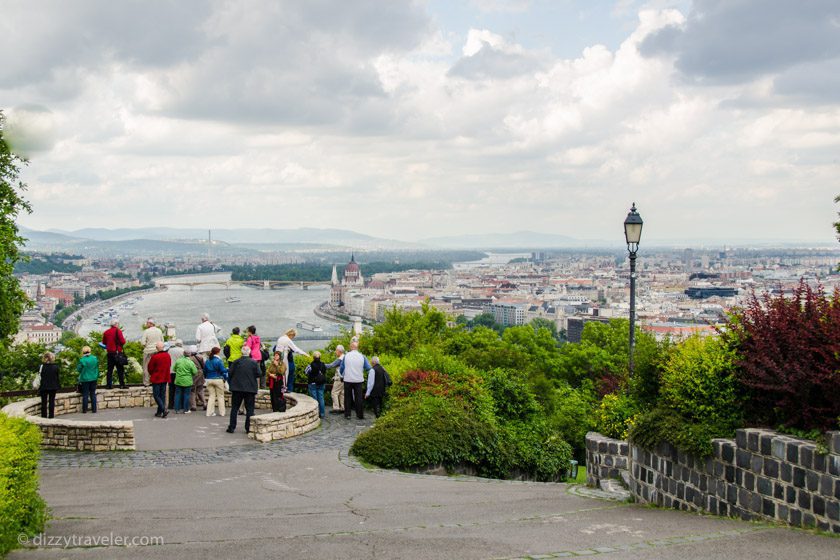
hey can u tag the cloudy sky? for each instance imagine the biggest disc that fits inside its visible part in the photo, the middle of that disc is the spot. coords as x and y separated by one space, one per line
719 118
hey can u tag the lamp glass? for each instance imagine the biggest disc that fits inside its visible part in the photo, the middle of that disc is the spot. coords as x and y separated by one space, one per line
633 232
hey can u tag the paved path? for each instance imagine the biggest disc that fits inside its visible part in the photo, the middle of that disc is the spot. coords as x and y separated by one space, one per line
305 498
335 433
153 433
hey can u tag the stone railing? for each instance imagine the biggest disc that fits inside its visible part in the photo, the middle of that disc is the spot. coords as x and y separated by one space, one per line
300 417
761 474
84 435
95 435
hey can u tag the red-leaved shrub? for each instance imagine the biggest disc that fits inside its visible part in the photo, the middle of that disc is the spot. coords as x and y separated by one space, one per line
789 358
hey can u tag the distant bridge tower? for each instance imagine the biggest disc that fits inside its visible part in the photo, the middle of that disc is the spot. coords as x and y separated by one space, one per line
209 245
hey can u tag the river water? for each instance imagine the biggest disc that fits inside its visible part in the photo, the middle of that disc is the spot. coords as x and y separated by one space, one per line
271 311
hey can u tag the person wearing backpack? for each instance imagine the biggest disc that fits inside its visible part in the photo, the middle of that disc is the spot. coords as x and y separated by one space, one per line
377 385
316 374
197 394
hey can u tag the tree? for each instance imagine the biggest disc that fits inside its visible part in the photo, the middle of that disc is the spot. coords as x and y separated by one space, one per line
402 331
542 323
837 223
13 300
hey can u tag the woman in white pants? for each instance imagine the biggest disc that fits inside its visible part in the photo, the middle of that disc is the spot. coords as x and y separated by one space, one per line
215 374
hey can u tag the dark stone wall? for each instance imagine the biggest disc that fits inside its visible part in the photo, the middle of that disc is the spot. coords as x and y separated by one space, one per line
761 474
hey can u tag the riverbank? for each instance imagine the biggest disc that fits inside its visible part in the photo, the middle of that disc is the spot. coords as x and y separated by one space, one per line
74 321
323 311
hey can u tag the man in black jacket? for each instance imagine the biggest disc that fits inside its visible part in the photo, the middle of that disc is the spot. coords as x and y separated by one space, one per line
377 385
243 378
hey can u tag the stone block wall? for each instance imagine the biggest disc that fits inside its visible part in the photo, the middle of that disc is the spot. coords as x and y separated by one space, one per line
92 435
606 458
85 436
761 474
80 435
300 417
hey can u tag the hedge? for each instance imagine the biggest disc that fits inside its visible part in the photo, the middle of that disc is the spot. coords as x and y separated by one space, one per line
21 508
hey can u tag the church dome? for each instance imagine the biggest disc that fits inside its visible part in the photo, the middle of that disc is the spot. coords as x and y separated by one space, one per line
352 266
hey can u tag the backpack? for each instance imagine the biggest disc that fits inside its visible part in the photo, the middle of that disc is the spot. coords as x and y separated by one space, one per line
226 351
320 375
264 354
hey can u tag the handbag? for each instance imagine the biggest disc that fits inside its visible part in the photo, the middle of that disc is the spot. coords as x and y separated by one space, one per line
36 383
121 359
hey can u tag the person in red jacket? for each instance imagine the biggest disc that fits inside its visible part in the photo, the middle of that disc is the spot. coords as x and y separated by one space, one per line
159 367
114 340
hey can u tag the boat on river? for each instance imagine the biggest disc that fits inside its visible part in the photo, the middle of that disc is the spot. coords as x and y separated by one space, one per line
307 326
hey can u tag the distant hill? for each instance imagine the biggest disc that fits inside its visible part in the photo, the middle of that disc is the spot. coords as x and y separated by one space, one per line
314 236
191 241
36 236
516 240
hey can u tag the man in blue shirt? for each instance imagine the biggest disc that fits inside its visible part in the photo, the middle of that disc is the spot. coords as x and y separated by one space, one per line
353 370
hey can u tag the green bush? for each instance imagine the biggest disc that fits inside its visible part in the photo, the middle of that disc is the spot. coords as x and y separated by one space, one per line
699 398
529 449
574 415
699 384
433 430
665 425
425 432
433 373
616 415
21 508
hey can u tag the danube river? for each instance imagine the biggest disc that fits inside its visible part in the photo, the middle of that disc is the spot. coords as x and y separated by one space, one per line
271 311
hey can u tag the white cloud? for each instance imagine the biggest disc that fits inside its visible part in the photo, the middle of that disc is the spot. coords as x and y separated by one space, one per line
369 117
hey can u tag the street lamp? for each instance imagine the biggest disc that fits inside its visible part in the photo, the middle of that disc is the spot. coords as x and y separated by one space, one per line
632 233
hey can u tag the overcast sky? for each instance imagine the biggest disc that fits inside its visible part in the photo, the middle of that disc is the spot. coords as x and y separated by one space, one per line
719 118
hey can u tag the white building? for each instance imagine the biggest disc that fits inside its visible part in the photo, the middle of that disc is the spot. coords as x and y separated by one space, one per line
45 334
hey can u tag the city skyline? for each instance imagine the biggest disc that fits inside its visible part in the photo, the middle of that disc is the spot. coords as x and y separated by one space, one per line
416 120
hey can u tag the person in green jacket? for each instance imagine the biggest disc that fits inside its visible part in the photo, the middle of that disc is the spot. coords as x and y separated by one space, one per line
88 368
185 372
233 347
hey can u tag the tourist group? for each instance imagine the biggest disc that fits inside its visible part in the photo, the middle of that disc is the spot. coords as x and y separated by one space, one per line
180 375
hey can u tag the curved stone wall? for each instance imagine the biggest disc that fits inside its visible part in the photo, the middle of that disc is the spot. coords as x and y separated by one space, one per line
92 435
300 417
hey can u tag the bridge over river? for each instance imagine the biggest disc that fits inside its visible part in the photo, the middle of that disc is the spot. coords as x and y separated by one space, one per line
192 282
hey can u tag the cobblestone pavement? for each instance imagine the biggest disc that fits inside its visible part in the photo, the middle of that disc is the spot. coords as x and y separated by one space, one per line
335 433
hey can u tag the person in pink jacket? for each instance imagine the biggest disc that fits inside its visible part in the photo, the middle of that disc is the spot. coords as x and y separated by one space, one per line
255 344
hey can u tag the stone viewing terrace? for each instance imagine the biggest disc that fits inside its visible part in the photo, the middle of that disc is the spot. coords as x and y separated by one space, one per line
125 421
